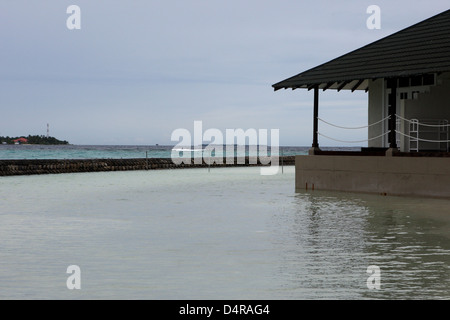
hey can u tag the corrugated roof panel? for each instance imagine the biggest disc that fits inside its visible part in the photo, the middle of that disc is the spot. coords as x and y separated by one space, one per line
419 49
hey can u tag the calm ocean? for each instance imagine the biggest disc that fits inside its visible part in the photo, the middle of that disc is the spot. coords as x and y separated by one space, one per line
227 233
115 152
103 152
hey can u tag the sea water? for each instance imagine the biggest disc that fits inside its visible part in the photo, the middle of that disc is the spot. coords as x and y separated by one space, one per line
110 151
227 233
8 152
82 151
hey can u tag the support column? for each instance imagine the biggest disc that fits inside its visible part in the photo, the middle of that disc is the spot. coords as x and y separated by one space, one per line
392 110
315 144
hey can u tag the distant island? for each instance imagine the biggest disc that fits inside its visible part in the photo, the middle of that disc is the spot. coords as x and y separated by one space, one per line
32 140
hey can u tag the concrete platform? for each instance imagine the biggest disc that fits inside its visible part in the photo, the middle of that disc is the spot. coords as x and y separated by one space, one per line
409 176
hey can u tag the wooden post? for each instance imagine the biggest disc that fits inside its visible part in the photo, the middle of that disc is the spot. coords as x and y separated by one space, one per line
316 118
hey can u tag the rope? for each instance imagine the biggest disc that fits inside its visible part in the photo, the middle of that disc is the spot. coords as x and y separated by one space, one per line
363 127
423 124
381 135
419 139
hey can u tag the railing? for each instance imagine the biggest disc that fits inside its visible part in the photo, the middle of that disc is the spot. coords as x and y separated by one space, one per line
435 132
425 133
353 128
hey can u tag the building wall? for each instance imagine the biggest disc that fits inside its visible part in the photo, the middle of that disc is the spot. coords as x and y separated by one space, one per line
429 103
376 112
407 176
432 104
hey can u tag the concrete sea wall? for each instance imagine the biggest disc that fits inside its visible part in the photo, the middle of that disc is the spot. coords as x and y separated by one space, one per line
408 176
54 166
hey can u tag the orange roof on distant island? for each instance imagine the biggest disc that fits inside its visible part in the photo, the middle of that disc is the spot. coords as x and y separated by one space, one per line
21 140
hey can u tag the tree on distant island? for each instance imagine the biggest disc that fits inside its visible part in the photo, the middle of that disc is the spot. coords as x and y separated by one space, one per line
36 139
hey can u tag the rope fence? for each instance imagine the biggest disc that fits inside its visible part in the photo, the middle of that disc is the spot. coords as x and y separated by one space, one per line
351 128
422 124
420 139
382 135
355 141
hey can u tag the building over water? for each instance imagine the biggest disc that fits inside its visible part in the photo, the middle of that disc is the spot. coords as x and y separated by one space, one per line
407 77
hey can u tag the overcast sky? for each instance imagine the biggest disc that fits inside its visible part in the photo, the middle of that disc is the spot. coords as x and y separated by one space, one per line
139 69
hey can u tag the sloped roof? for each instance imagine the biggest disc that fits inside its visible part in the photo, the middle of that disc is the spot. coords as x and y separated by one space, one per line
420 49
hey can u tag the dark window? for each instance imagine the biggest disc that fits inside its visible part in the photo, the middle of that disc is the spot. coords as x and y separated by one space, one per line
416 81
428 80
403 82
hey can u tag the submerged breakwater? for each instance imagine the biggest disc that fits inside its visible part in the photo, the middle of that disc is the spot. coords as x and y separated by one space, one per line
55 166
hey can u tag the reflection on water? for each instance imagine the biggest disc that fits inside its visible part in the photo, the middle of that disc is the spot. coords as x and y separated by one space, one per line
334 237
225 234
410 241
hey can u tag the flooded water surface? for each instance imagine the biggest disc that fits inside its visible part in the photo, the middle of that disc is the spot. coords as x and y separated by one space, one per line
225 234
